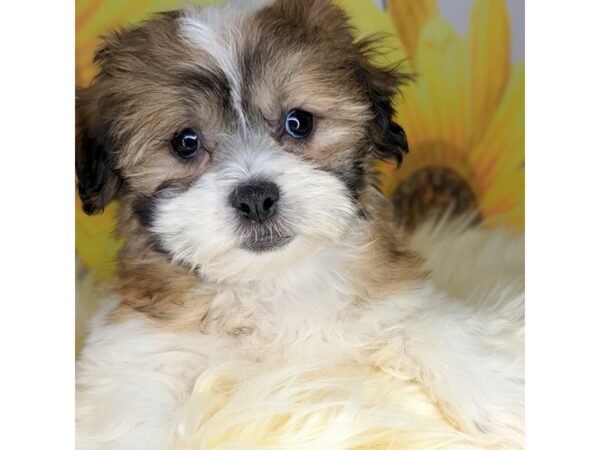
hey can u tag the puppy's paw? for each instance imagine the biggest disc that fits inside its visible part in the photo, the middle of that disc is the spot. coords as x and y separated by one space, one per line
488 403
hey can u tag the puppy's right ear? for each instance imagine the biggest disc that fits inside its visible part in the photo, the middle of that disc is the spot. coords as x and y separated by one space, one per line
97 182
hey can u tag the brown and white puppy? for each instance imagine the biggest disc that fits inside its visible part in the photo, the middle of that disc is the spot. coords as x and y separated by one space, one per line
239 141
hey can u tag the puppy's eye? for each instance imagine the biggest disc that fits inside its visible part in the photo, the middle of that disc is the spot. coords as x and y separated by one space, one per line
298 124
186 143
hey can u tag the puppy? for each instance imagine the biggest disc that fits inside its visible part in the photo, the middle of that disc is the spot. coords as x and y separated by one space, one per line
240 141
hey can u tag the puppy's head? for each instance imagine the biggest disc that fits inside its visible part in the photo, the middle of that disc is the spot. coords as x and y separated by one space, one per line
239 138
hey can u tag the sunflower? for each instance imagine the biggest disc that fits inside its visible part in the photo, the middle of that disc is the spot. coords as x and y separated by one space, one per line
464 116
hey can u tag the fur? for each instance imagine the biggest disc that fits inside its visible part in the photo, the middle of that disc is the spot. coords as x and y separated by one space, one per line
341 287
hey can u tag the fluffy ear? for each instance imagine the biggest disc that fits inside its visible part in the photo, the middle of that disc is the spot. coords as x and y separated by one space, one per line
381 84
97 183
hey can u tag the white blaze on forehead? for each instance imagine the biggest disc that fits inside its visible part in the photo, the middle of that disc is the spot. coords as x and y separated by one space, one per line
215 30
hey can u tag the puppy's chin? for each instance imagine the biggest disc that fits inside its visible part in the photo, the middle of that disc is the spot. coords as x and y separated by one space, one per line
267 242
262 262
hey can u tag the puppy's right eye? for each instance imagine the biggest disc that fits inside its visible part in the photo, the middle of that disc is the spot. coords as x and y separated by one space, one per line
186 144
298 124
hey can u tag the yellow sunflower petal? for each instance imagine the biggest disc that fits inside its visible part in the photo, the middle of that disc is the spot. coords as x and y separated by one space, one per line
498 161
434 110
409 16
489 41
94 242
436 105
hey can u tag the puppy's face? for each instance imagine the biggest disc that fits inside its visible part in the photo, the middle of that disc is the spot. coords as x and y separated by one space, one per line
239 138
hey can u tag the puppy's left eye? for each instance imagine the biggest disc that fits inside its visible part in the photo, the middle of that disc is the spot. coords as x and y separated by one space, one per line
299 124
186 144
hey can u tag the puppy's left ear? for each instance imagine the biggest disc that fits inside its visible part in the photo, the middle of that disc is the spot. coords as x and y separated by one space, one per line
381 84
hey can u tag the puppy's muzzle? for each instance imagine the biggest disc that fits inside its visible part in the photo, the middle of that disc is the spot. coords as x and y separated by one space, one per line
257 205
256 201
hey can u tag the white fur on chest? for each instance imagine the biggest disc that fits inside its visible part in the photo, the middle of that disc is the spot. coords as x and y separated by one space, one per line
290 317
132 378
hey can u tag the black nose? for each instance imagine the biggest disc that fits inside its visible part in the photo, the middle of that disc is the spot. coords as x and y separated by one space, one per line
256 201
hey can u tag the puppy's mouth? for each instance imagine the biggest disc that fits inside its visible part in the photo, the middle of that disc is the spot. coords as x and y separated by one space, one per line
267 241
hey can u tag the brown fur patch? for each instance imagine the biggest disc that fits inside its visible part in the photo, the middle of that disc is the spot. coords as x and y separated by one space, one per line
390 267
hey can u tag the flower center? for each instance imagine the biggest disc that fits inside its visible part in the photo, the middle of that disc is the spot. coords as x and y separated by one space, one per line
433 191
